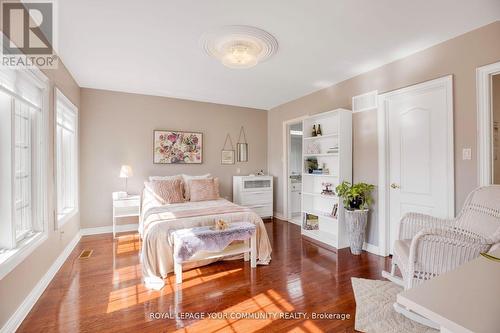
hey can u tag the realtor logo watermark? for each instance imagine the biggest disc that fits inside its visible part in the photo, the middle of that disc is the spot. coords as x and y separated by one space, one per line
28 34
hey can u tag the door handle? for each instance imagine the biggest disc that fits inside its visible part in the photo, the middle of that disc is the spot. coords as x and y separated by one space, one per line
394 185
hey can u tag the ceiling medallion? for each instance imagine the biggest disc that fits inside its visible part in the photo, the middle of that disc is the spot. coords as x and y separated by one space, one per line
239 46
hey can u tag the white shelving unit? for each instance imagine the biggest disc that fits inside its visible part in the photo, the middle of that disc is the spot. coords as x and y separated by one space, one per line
337 138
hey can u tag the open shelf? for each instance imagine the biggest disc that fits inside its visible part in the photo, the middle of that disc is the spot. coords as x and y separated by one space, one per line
321 155
320 137
230 250
320 213
319 195
322 236
319 175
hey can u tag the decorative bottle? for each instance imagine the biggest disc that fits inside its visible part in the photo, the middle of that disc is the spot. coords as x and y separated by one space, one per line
318 132
314 131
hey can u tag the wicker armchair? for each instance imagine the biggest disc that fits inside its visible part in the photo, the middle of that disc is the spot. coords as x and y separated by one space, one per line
429 246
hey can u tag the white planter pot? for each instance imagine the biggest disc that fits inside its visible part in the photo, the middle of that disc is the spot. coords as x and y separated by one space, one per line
356 221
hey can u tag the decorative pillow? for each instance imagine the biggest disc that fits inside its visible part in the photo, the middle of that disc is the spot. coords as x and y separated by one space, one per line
166 191
187 179
151 178
204 189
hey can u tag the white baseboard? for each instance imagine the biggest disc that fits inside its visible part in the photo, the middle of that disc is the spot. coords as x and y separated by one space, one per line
371 248
279 216
22 311
109 229
295 222
283 218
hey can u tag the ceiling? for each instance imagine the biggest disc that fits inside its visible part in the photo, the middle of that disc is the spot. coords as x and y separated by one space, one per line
153 47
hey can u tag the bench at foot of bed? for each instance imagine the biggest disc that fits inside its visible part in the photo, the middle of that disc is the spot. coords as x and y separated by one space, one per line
202 243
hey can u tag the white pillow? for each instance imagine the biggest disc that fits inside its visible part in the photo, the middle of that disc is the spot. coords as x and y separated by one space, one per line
187 178
152 178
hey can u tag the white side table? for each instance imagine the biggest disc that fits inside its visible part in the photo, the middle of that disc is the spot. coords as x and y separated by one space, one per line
124 207
463 300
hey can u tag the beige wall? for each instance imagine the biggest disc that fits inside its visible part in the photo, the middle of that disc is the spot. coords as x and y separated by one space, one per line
496 118
459 56
16 286
117 128
365 158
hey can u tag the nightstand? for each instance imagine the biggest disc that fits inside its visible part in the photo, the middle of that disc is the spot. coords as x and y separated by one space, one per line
124 207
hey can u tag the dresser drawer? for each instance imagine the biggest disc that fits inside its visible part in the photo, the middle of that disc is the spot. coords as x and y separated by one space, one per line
262 210
127 207
127 203
257 198
257 183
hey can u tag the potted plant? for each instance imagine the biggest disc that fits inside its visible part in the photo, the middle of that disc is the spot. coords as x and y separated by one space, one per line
357 199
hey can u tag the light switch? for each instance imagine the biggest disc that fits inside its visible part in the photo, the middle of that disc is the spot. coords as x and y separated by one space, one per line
238 171
466 154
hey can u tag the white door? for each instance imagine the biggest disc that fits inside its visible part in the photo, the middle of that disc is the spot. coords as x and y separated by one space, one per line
420 151
296 187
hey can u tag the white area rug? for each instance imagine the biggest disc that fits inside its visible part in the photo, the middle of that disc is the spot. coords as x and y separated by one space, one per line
374 311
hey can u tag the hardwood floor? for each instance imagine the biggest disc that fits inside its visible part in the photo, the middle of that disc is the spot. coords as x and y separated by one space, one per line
104 293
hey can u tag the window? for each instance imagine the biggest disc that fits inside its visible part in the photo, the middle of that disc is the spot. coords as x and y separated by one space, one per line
66 155
23 150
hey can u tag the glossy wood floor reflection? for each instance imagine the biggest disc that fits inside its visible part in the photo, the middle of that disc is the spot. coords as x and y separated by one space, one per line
104 293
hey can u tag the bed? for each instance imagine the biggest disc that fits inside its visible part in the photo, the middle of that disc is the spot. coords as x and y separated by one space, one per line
157 221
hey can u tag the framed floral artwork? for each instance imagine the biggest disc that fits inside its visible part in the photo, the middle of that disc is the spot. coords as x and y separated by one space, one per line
177 147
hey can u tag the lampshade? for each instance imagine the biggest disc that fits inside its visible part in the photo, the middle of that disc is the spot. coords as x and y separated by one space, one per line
126 171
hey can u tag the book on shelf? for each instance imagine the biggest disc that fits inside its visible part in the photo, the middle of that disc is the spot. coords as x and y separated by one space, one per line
332 150
311 222
335 210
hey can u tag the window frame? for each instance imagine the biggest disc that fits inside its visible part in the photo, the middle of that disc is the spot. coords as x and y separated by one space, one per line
12 257
59 97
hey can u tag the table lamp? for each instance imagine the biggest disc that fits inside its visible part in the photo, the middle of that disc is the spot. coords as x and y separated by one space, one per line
126 172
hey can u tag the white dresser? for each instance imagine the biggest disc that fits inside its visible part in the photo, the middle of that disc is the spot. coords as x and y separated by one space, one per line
255 192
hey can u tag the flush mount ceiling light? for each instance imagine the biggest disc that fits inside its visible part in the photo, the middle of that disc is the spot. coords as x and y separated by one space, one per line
239 46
